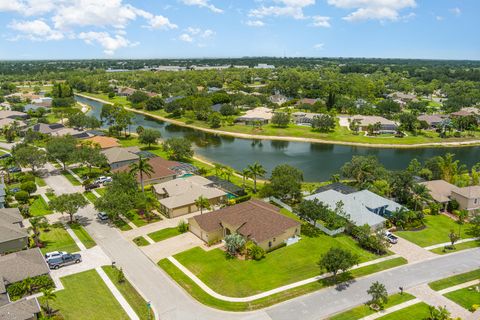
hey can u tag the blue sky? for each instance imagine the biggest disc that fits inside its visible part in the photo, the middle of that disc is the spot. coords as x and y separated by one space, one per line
65 29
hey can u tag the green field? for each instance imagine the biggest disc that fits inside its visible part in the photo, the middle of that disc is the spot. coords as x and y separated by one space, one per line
238 278
57 239
163 234
83 235
418 311
454 280
86 297
437 230
364 310
466 297
134 299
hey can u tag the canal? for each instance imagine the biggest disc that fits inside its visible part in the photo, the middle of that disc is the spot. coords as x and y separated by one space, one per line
317 161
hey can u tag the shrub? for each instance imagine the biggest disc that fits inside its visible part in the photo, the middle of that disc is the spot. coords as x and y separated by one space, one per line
22 196
26 177
182 226
16 290
254 252
453 205
28 186
474 307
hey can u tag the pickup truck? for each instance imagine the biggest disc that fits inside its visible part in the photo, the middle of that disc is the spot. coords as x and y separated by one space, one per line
64 260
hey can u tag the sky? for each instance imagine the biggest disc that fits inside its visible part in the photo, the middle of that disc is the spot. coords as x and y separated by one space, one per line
138 29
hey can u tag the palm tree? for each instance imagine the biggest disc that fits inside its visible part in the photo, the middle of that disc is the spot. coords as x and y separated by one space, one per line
245 175
36 224
27 285
448 167
7 164
256 170
142 167
48 295
202 203
227 172
420 194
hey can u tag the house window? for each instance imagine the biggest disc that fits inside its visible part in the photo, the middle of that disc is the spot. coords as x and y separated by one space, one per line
270 244
274 239
475 201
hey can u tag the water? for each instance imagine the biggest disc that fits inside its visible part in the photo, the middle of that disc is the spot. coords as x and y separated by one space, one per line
317 161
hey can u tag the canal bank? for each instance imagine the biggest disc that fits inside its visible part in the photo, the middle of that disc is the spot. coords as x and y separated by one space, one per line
317 161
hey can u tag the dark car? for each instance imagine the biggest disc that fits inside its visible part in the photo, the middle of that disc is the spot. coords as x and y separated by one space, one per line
14 169
5 155
64 260
92 186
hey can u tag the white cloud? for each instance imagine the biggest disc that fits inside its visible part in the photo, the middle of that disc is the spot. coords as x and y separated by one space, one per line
290 8
192 34
28 7
321 21
186 37
35 30
109 43
161 22
456 11
202 4
255 23
439 18
373 9
319 46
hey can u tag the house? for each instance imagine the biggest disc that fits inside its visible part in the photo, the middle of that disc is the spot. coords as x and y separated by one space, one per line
77 134
433 120
13 236
118 157
3 193
227 186
304 118
278 99
254 220
13 114
404 97
386 126
308 101
9 121
337 186
125 92
163 171
16 267
104 142
177 197
361 207
443 192
259 114
47 128
465 112
264 66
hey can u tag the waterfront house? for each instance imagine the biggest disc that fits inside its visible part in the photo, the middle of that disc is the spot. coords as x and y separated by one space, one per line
304 118
261 115
118 157
254 220
177 197
163 171
433 120
386 126
104 142
443 192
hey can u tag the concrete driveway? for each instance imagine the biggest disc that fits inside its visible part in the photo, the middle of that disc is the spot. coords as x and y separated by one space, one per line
172 246
411 251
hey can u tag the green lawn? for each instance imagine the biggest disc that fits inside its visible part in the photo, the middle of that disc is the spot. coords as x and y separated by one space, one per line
87 297
141 241
139 221
90 196
418 311
71 178
57 239
101 191
454 280
458 247
40 182
83 235
122 225
163 234
82 171
195 291
39 207
364 310
238 278
465 297
436 231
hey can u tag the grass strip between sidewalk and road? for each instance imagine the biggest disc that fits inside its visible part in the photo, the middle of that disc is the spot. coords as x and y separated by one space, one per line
454 280
458 247
83 235
364 310
71 178
134 299
195 291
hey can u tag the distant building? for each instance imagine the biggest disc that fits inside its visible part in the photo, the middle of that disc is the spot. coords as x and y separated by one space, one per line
125 92
433 120
386 126
308 101
264 66
278 99
104 142
261 114
304 118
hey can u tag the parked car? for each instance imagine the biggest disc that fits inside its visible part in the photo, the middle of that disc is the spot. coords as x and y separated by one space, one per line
54 254
64 260
5 155
14 169
15 190
391 237
103 179
102 216
92 186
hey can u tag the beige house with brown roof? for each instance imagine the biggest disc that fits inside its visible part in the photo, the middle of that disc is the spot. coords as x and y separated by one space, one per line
255 220
177 197
443 192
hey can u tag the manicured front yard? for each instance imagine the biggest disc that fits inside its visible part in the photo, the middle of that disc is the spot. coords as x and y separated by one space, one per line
163 234
454 280
437 230
238 278
134 299
39 207
87 297
57 239
418 311
139 220
466 297
364 310
458 247
83 235
195 291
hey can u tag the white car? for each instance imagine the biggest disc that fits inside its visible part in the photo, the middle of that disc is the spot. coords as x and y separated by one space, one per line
391 237
54 254
103 179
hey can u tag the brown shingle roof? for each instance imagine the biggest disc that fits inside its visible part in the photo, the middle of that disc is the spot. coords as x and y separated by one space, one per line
254 219
160 166
104 142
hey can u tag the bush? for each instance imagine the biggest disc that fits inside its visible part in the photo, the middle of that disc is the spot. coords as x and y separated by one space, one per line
28 186
22 196
26 177
254 252
16 290
453 205
242 199
182 227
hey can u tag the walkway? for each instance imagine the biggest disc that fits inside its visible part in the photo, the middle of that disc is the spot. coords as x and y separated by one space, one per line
168 247
411 251
434 298
441 245
391 310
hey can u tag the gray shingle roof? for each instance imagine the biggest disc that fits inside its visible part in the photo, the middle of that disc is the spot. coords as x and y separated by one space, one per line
20 265
24 309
